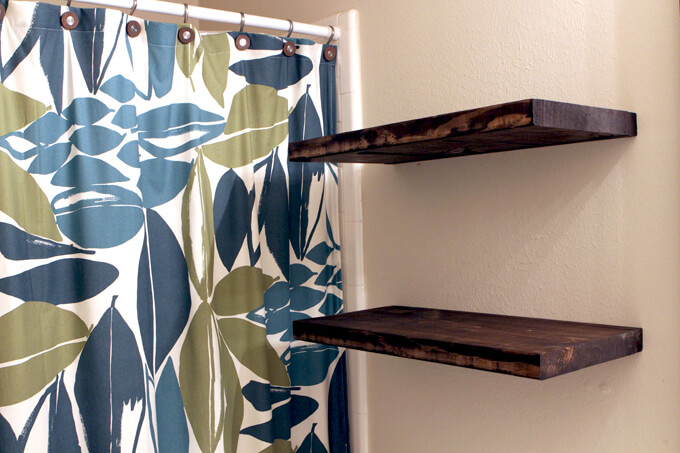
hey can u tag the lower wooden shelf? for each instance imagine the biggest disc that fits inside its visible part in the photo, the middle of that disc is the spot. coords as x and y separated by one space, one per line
504 127
527 347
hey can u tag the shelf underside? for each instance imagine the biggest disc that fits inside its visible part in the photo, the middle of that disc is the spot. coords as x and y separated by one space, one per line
516 125
527 347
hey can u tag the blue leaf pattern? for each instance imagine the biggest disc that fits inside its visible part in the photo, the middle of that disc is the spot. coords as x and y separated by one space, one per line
163 301
109 381
53 283
264 396
174 115
129 154
338 413
95 140
50 159
325 275
126 117
283 419
115 159
232 217
161 38
119 88
303 177
16 244
303 298
30 422
84 171
86 111
320 253
274 207
62 436
299 274
332 305
174 176
268 71
173 433
312 443
7 438
47 129
88 44
309 364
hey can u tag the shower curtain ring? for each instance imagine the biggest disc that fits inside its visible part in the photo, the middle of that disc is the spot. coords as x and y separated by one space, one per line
289 47
68 3
332 34
186 34
134 8
242 41
329 52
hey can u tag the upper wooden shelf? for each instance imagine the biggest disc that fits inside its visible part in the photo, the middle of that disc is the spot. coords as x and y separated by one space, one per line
516 125
527 347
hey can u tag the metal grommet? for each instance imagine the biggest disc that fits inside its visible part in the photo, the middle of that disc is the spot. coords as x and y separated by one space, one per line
133 9
242 42
186 35
69 20
133 29
329 53
289 48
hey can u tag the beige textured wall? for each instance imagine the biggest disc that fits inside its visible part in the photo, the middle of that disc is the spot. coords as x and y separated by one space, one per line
584 232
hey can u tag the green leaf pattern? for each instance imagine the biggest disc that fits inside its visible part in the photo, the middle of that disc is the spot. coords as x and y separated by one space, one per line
159 180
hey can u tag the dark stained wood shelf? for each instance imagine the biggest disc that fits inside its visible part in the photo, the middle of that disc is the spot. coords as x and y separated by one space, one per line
527 347
516 125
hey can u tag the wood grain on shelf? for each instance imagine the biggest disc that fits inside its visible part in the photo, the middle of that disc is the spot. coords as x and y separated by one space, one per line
527 347
516 125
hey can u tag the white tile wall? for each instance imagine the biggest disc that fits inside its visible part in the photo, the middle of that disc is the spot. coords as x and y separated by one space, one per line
350 117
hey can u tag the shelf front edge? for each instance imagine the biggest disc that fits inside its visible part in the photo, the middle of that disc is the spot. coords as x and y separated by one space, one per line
526 347
525 124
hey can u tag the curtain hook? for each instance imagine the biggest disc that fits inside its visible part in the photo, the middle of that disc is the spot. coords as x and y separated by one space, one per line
289 47
133 28
68 3
332 34
186 34
242 41
329 52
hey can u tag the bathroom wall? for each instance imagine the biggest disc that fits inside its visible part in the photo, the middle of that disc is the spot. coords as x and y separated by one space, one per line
582 232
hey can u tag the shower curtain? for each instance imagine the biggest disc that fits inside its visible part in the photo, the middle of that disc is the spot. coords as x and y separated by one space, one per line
156 244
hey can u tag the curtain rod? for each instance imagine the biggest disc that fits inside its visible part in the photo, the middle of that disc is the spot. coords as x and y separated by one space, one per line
216 15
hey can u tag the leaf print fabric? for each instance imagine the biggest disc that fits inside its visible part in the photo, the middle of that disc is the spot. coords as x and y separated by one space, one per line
156 244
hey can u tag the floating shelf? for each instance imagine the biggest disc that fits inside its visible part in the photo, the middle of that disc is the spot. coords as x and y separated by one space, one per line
527 347
516 125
